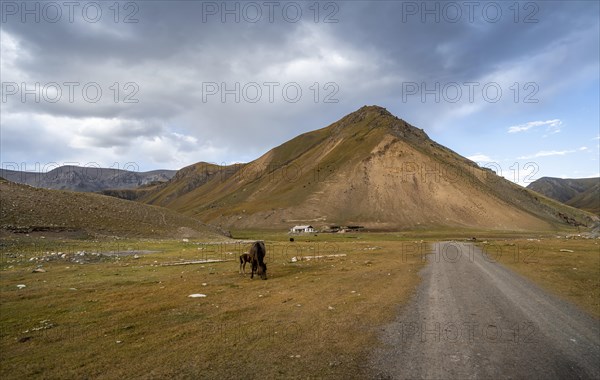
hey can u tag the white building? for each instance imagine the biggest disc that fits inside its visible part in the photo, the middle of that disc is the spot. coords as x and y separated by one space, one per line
302 229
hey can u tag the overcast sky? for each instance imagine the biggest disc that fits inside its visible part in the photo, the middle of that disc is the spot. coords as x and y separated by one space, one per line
154 84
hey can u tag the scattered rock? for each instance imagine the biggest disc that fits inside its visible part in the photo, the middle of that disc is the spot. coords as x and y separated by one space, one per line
308 258
330 307
21 286
567 250
38 270
44 325
197 295
24 339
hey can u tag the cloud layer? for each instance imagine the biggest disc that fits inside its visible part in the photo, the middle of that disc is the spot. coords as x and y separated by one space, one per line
190 82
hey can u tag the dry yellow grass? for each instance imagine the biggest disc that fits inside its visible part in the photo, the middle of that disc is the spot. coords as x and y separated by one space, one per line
574 276
131 318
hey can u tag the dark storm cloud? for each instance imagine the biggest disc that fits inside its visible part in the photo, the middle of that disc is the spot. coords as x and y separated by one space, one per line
163 30
171 52
473 48
122 134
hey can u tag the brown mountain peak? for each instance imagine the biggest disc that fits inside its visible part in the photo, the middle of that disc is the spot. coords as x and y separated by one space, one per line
374 109
366 113
372 117
369 168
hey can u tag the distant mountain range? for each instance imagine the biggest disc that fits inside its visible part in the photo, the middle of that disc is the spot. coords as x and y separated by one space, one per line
583 193
370 168
87 179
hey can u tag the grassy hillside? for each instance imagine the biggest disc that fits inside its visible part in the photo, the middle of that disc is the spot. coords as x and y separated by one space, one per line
25 209
582 193
588 200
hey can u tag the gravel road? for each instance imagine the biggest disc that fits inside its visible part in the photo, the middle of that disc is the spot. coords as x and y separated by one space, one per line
473 318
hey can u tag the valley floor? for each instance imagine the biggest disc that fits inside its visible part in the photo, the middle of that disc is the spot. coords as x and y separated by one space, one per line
121 309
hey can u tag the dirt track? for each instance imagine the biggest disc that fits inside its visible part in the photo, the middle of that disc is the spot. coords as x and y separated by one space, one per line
474 319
